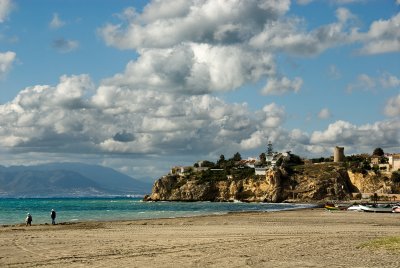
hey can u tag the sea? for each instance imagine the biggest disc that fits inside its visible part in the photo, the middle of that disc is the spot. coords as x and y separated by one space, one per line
14 210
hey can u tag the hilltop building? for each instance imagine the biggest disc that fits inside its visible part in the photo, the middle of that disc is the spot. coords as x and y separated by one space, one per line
271 158
338 154
394 162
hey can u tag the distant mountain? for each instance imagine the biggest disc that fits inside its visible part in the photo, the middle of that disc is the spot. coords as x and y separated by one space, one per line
67 179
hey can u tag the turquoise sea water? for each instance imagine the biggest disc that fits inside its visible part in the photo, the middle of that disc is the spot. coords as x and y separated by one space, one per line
14 210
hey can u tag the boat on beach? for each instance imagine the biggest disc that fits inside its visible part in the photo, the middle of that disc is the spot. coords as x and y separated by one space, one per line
382 208
396 209
355 208
331 206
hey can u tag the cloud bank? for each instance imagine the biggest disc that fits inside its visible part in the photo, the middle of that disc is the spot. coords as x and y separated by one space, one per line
76 116
164 103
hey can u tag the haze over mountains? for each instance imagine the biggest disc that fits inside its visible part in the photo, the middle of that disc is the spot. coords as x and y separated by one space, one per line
67 179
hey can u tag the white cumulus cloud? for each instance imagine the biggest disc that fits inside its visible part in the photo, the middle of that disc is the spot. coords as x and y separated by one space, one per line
369 83
73 116
393 106
276 86
289 35
389 81
6 61
273 115
382 37
164 25
56 22
364 82
304 2
341 132
205 46
195 69
324 114
5 8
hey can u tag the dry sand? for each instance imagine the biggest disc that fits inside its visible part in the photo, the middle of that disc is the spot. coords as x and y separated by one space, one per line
303 238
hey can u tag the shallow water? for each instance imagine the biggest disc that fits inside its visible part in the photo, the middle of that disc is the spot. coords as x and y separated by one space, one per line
14 210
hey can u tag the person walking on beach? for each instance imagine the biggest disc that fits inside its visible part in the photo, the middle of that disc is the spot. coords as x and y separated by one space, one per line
28 219
53 216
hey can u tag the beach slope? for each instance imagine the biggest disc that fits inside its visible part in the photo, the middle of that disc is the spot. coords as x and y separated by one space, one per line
302 238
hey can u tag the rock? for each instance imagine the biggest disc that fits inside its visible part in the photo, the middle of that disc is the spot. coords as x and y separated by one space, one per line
303 183
255 189
373 183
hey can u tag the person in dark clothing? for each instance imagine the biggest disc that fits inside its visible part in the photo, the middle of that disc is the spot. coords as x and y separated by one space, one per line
28 219
53 216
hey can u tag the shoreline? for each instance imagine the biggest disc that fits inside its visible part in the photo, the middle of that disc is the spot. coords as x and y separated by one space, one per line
311 237
312 205
150 219
131 210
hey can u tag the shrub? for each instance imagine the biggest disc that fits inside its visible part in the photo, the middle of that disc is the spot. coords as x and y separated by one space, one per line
243 173
395 176
213 175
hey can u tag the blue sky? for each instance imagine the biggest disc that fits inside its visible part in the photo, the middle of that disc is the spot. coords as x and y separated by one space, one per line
140 86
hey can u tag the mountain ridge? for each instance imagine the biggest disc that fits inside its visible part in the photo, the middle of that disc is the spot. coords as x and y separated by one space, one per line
66 179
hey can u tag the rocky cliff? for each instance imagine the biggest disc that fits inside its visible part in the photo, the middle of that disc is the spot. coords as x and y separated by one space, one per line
254 189
370 182
304 183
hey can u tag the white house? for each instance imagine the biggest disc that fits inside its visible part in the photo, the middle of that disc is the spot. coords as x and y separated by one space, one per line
260 171
394 162
180 170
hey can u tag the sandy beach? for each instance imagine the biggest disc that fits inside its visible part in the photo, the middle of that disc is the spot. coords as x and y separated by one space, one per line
302 238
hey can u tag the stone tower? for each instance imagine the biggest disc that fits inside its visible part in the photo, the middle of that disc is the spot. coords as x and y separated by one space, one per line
338 154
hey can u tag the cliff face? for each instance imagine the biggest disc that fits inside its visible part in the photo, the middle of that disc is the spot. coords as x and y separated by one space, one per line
373 183
173 188
321 181
304 183
256 189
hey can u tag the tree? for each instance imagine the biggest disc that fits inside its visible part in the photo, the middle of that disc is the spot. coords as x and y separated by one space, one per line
366 165
263 158
375 198
221 160
395 176
237 157
295 160
279 162
378 152
383 160
208 164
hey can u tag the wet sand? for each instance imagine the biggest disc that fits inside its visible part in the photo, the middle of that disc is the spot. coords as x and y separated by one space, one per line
302 238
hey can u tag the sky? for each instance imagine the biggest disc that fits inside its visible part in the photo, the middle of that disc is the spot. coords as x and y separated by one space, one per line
141 86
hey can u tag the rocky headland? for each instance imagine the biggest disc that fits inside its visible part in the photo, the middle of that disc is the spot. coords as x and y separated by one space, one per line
300 183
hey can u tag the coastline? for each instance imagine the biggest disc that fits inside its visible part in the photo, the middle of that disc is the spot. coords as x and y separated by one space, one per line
88 222
13 212
302 238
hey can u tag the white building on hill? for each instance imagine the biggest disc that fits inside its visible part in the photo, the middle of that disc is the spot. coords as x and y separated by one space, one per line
394 162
